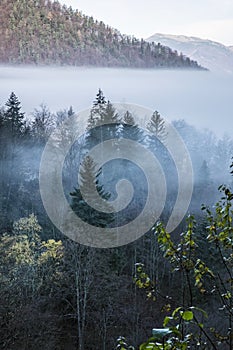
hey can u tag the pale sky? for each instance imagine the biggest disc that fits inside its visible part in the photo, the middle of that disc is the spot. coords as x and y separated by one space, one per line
207 19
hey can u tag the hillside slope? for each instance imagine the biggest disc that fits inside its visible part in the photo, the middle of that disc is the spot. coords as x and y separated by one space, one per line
210 54
45 32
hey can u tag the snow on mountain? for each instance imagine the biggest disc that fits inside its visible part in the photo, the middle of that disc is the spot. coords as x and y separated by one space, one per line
210 54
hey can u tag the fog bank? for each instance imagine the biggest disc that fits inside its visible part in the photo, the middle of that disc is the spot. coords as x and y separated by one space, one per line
203 99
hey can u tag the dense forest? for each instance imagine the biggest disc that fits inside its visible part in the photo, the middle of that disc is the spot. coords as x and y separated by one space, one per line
58 294
45 32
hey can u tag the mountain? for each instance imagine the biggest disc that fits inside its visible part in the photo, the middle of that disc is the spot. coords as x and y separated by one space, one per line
46 32
230 47
210 54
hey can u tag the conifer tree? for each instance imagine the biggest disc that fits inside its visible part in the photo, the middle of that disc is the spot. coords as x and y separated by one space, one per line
130 129
103 122
204 186
128 118
97 109
100 99
13 117
109 115
89 181
1 131
157 126
204 173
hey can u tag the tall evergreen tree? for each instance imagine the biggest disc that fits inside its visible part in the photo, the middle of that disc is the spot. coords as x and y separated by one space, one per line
1 131
108 115
102 112
157 126
89 182
103 122
97 109
100 99
128 118
204 189
130 129
204 173
13 117
1 118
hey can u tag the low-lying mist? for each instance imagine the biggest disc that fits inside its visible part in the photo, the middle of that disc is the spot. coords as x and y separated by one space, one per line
203 99
23 142
66 175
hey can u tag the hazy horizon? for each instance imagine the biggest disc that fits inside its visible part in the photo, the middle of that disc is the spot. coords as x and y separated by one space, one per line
202 99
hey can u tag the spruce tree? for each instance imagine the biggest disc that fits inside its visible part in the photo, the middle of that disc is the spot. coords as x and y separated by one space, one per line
204 173
100 99
157 126
128 118
1 131
204 189
89 181
102 112
108 115
103 122
130 129
13 117
98 106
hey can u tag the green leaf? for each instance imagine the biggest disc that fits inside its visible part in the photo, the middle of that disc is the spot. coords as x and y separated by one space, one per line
166 320
187 315
176 310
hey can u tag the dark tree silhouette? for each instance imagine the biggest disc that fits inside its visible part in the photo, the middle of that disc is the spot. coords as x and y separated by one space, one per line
89 182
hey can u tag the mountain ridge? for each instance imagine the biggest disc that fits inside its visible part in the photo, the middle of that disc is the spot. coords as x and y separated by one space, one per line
47 32
210 54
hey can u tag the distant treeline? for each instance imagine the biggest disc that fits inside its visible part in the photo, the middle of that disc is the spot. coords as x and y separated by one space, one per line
45 32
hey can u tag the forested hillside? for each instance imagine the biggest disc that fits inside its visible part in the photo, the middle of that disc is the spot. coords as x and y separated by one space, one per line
58 294
45 32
